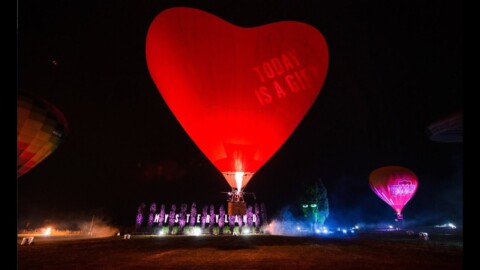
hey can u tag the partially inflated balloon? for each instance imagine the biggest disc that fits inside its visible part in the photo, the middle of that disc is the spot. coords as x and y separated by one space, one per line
238 92
40 129
395 185
447 130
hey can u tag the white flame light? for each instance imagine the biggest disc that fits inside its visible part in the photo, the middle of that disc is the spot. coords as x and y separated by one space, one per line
239 179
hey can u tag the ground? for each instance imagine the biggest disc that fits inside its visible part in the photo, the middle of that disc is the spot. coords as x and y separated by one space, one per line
361 251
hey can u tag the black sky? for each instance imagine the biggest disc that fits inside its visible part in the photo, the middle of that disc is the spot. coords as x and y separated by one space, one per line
395 67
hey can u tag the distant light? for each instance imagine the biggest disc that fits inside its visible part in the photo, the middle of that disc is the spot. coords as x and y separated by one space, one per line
356 227
161 232
305 205
451 226
325 230
298 228
246 231
313 205
390 226
317 231
344 231
48 231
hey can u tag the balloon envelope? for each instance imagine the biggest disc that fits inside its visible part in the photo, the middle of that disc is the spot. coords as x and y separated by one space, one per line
40 129
238 92
447 130
395 185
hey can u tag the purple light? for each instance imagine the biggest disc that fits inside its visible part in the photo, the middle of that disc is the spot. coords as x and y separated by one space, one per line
182 219
221 219
171 218
151 216
249 216
204 216
162 217
257 218
212 219
231 223
139 218
193 214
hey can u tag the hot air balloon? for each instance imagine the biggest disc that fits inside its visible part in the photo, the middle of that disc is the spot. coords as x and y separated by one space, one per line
238 92
395 185
447 130
41 127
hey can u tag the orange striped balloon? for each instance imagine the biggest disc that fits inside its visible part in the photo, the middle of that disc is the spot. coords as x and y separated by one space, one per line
41 127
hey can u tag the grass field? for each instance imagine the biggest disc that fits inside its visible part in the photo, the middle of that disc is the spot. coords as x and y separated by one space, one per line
367 251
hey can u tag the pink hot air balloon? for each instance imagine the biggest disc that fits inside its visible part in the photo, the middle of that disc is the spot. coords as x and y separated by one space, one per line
395 185
238 92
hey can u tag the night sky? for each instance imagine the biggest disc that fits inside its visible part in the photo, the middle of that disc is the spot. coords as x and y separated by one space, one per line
395 68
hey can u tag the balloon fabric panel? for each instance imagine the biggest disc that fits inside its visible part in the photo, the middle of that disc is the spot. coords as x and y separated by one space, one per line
40 129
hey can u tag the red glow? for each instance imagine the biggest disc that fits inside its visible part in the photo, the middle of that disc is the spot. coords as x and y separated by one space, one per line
395 185
238 92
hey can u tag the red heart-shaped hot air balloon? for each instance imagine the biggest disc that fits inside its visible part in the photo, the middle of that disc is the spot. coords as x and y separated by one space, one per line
238 92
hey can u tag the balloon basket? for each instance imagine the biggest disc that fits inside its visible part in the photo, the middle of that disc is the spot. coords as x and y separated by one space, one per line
237 208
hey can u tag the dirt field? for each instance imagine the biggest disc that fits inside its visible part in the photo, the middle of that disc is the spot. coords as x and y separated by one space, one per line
243 252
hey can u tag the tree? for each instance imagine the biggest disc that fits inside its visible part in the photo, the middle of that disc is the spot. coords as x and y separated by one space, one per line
231 223
139 218
257 218
171 218
221 219
151 216
162 217
250 217
212 219
193 215
182 219
315 204
204 217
